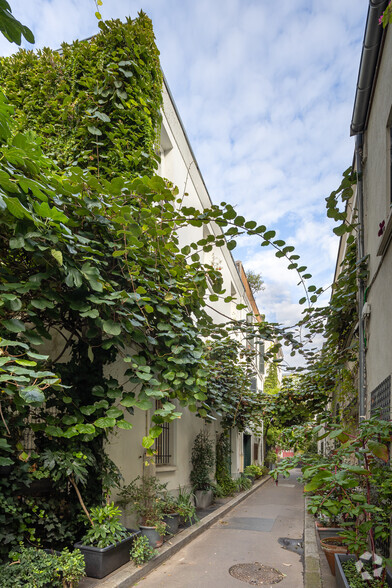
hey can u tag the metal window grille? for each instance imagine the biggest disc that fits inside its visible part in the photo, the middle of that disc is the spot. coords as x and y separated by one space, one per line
162 443
381 400
261 358
35 416
381 405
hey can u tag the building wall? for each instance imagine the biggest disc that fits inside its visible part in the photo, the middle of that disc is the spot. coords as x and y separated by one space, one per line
377 204
125 447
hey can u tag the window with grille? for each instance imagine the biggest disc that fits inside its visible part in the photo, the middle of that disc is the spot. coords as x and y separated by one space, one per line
261 358
381 400
162 443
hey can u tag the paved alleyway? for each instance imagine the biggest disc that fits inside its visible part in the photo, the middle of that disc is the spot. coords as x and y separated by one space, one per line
249 533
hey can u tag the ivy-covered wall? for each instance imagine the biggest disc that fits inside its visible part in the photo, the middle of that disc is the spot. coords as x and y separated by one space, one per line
95 103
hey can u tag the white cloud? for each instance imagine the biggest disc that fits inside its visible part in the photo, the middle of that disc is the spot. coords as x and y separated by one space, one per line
266 93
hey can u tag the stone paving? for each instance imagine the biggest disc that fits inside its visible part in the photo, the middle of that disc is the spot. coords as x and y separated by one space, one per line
249 533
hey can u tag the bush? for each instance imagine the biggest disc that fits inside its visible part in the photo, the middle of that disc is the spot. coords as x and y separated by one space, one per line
142 551
202 462
34 568
271 457
243 483
253 470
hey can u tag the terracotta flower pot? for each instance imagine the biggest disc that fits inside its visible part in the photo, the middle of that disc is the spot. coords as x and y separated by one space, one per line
332 545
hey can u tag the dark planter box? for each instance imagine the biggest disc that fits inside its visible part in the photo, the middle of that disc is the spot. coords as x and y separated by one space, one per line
325 532
341 581
102 561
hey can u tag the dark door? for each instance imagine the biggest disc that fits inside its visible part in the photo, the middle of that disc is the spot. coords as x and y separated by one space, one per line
247 450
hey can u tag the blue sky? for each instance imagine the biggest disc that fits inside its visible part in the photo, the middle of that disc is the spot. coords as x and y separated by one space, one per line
265 91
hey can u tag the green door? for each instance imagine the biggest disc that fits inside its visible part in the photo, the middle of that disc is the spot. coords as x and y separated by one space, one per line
247 450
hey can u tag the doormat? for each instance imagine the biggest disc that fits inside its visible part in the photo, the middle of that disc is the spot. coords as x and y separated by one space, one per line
256 574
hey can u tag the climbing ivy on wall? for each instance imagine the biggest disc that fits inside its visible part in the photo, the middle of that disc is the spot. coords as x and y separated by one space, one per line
94 103
229 383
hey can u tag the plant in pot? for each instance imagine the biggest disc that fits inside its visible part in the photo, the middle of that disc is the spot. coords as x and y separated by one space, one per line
186 506
203 460
144 497
355 482
106 544
171 516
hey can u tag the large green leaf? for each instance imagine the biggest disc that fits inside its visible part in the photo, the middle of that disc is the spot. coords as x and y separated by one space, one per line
32 394
111 328
124 425
105 423
14 325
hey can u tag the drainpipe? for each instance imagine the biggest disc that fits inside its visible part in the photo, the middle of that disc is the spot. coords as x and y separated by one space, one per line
361 284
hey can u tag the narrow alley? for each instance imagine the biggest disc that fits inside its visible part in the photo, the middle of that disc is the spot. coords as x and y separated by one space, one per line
247 534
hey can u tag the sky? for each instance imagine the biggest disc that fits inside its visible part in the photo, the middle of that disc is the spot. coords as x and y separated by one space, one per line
265 91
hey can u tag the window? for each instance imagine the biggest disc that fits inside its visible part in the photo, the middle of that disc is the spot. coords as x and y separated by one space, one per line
261 358
381 400
162 443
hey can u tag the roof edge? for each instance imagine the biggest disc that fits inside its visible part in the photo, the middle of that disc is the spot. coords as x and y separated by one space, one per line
368 65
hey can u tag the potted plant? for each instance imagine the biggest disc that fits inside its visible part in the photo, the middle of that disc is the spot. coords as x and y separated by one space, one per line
349 572
171 515
106 544
330 546
144 496
203 460
186 507
355 483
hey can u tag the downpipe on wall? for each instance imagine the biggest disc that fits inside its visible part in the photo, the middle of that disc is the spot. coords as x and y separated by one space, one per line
361 284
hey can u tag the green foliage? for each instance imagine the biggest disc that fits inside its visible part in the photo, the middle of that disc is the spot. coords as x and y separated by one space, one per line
255 281
222 464
354 483
271 382
142 551
203 460
47 520
107 529
95 103
229 391
147 497
33 568
386 17
354 578
11 28
243 483
186 505
70 565
271 456
254 470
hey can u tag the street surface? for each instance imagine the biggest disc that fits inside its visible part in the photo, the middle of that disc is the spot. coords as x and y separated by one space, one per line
247 534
